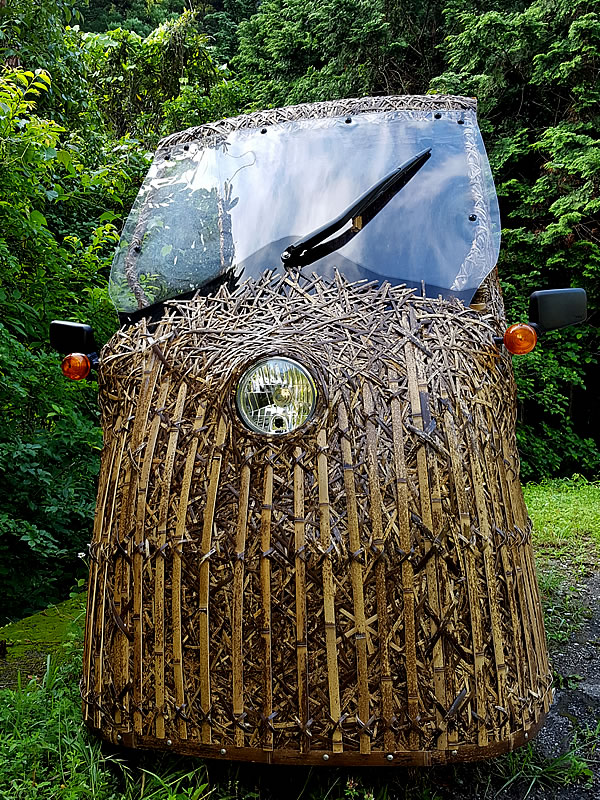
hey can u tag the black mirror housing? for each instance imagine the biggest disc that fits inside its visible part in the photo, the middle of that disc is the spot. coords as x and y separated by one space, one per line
551 309
72 337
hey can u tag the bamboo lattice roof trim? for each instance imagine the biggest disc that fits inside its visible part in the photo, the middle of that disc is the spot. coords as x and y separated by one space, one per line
330 108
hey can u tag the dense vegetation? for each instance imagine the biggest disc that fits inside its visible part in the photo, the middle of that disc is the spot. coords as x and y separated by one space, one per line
86 92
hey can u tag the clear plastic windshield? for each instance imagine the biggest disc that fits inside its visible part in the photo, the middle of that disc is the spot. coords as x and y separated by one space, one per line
228 211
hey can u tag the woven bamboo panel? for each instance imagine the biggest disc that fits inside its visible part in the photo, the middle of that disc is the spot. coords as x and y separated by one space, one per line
360 591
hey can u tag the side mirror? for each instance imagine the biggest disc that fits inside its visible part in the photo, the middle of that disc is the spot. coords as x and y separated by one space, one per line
551 309
72 337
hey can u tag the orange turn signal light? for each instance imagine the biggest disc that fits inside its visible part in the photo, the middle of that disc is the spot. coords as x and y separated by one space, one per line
76 366
520 339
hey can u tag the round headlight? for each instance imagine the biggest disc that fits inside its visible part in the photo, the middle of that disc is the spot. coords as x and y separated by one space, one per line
276 396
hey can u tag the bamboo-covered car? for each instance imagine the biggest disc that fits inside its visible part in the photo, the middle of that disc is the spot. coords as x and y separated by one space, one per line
310 542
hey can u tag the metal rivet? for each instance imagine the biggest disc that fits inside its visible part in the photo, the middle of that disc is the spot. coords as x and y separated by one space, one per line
461 122
455 752
223 751
169 742
186 147
119 737
527 736
348 120
390 757
437 115
264 130
325 757
472 217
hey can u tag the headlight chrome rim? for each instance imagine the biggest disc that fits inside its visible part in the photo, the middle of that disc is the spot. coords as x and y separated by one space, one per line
284 392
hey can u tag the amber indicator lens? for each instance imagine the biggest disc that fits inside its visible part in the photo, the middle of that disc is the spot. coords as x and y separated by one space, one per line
76 366
520 339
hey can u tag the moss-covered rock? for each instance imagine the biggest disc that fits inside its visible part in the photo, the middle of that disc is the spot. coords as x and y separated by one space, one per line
31 640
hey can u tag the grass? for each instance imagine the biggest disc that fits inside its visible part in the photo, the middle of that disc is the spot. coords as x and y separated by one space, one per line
566 538
566 523
47 754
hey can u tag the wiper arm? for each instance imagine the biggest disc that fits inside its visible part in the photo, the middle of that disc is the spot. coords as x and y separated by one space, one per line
313 247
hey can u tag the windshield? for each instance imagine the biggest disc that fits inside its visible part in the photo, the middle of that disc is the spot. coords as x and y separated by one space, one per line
230 209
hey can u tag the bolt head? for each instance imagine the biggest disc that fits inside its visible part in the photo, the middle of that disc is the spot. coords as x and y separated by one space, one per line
325 757
223 751
390 757
527 736
455 752
169 742
119 737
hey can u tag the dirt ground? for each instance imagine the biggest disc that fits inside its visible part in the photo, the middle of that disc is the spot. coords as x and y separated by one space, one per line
577 704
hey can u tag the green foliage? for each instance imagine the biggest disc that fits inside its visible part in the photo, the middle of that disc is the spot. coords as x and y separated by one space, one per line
32 36
141 16
48 459
193 106
297 51
528 769
133 76
65 184
222 23
565 512
534 71
49 439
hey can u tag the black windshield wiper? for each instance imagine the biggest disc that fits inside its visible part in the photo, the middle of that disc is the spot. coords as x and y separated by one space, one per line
313 247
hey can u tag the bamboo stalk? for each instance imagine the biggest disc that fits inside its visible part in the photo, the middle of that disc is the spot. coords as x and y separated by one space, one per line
335 711
237 622
356 573
140 547
486 537
508 567
471 580
408 588
383 628
301 618
176 579
522 594
100 534
265 582
204 580
419 404
159 573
